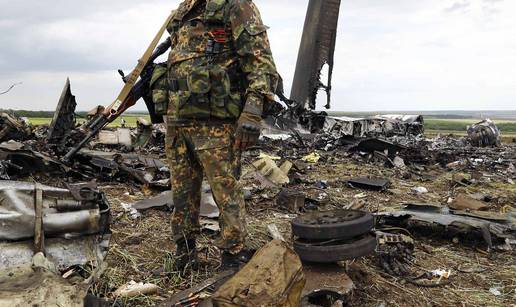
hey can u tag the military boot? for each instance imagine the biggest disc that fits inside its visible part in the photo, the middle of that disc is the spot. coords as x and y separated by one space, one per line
235 261
186 255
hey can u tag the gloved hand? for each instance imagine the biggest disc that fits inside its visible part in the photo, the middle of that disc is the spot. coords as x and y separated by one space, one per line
247 131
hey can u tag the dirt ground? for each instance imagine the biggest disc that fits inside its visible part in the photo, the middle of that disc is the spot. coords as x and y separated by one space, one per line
142 249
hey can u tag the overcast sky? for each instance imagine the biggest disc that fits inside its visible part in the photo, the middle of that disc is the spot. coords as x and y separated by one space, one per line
391 54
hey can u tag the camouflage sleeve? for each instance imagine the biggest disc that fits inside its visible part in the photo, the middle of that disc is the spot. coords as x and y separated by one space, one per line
255 56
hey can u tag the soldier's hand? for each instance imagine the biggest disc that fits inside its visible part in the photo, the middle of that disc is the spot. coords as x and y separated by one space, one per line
247 131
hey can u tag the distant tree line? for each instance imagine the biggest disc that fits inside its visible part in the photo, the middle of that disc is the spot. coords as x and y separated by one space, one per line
39 114
50 114
442 124
24 113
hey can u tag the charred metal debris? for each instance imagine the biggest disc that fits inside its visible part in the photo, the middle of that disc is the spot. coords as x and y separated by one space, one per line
75 217
61 231
37 151
14 128
54 242
63 121
317 49
494 228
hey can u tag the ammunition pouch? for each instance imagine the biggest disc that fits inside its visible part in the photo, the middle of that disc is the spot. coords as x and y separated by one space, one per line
210 94
226 100
159 89
213 92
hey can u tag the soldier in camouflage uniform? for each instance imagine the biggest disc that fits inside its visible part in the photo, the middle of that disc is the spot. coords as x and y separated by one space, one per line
219 75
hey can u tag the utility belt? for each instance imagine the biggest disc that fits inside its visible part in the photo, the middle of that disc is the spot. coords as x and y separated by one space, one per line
206 93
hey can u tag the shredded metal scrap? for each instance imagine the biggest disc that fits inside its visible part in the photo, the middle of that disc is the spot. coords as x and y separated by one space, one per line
488 226
79 211
484 133
13 128
48 231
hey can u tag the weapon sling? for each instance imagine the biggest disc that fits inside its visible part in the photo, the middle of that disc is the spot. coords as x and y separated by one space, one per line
113 110
131 80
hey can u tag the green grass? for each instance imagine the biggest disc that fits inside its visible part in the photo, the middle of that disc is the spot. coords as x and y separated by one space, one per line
506 126
38 121
129 119
431 124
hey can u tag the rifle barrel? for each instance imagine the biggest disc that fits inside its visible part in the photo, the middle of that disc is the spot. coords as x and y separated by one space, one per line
116 108
94 127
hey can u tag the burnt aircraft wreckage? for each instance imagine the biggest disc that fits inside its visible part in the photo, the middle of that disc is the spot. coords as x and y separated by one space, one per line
53 242
317 49
60 231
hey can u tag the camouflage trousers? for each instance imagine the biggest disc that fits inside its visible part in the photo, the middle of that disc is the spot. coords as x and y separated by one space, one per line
195 151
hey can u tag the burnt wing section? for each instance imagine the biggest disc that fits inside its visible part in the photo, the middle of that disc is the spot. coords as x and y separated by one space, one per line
64 116
317 48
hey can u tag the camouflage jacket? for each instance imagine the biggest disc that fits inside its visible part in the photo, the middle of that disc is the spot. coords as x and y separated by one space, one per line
220 63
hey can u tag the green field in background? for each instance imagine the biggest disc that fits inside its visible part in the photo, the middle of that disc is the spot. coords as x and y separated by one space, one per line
431 124
461 124
130 121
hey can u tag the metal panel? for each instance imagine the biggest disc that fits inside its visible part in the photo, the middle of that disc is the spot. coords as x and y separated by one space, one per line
64 116
317 48
18 214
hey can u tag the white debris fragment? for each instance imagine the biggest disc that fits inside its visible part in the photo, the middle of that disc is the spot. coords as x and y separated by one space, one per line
495 291
507 246
280 137
455 165
322 196
420 190
441 273
132 289
210 224
121 136
398 162
148 177
133 213
361 195
40 261
284 216
275 233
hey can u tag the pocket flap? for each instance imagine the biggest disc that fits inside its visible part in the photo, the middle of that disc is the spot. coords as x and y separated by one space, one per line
220 83
180 98
252 29
158 72
199 81
255 28
215 5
